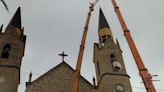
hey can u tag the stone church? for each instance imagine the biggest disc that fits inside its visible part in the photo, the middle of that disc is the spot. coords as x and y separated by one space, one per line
111 75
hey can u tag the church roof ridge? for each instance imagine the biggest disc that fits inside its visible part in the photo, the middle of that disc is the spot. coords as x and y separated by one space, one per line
62 63
52 70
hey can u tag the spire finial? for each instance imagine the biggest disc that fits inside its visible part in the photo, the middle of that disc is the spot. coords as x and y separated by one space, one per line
117 43
16 19
30 77
1 29
63 55
94 83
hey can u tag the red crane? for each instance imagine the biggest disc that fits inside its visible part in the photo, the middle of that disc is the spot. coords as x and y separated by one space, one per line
145 75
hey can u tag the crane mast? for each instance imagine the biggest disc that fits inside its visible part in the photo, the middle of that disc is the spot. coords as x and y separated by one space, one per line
76 74
145 75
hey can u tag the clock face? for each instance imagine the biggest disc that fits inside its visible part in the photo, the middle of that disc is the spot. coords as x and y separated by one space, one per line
120 88
2 80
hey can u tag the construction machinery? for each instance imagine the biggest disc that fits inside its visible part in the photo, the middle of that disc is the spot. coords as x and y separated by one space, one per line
145 75
76 74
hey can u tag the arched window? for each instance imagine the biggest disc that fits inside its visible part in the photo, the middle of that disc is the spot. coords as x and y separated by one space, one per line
112 57
6 51
116 65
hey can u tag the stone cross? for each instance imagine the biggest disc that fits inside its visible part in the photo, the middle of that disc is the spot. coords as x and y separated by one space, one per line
63 55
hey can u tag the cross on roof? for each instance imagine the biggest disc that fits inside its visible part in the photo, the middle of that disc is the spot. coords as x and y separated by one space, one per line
63 55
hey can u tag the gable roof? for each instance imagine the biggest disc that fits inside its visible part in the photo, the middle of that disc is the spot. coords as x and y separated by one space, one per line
51 70
57 67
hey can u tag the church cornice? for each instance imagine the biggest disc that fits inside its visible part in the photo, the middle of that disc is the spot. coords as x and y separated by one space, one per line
114 74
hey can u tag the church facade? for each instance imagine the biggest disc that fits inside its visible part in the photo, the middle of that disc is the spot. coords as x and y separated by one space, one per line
111 75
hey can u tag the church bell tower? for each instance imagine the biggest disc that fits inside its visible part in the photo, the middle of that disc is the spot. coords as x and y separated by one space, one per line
110 69
12 45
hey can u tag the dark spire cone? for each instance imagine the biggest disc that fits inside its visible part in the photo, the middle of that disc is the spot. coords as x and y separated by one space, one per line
102 21
16 19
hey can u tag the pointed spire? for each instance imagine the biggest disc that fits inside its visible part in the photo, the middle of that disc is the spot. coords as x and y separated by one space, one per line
1 28
102 20
94 82
22 30
117 43
104 29
30 77
16 19
29 81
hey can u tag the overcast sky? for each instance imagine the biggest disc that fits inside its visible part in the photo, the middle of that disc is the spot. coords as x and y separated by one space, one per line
53 26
